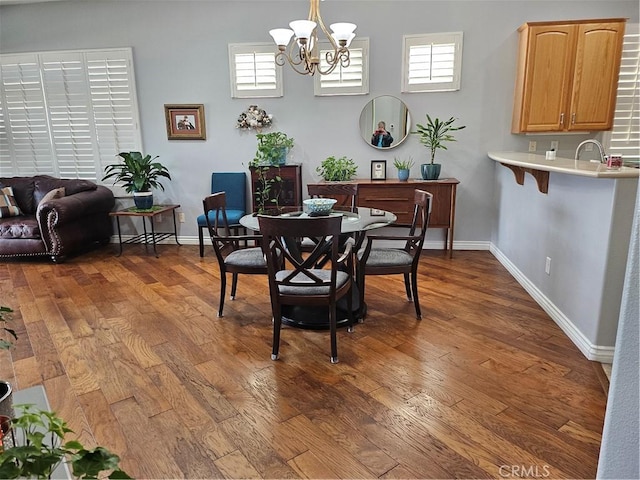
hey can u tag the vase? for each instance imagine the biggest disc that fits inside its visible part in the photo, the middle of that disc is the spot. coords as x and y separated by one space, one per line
403 175
430 171
143 200
6 399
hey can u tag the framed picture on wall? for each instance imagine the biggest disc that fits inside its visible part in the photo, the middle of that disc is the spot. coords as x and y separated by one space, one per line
185 122
378 169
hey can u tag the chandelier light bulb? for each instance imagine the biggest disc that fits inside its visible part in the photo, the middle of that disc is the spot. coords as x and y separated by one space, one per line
281 36
342 31
303 28
347 42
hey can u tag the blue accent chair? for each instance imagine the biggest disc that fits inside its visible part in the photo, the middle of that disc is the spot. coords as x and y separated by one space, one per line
234 184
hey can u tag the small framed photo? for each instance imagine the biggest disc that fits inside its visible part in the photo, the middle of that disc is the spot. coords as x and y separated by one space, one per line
185 122
378 169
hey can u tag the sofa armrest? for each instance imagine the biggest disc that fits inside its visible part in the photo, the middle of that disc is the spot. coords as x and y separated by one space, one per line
72 210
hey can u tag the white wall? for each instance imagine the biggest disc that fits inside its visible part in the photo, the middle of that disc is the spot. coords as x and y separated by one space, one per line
583 225
180 54
621 438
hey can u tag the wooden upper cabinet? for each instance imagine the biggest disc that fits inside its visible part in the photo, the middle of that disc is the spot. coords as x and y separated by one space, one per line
567 75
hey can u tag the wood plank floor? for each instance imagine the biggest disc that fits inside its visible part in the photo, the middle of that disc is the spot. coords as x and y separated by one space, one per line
131 354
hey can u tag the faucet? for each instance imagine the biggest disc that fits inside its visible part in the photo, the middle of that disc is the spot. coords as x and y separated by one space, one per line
597 144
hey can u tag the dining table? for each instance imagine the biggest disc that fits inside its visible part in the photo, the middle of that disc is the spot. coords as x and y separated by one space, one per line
355 224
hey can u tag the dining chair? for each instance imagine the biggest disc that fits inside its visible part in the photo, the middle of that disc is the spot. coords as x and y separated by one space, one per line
347 195
345 192
234 184
403 259
232 257
295 280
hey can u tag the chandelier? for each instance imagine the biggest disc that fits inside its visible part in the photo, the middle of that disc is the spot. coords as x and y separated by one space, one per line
303 52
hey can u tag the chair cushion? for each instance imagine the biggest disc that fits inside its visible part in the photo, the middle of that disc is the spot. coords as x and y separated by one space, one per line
386 257
8 204
341 279
233 217
246 257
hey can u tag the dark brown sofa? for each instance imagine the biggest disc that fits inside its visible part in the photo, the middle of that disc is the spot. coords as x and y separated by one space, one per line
58 227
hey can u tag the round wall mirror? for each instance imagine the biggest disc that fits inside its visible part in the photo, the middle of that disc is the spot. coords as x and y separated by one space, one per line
385 122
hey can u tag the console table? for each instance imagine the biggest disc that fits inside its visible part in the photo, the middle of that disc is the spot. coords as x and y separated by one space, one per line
395 196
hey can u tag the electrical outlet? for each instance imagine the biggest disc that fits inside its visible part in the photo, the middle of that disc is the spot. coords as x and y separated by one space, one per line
158 218
181 217
588 147
554 145
547 266
532 145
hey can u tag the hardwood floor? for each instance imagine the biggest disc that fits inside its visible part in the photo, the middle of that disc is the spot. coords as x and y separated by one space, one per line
131 354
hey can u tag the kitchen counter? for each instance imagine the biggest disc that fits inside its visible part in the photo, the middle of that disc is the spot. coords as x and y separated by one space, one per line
563 165
539 167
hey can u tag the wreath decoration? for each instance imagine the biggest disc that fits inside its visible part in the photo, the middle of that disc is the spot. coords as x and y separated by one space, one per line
254 118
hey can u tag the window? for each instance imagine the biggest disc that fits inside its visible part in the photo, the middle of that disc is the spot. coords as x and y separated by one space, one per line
431 62
254 72
624 137
351 80
67 113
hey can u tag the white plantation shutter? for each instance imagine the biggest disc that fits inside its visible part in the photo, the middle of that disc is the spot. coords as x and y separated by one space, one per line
253 71
114 102
26 129
351 80
67 114
432 62
624 137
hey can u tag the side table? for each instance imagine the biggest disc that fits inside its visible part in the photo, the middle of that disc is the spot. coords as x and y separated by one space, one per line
146 237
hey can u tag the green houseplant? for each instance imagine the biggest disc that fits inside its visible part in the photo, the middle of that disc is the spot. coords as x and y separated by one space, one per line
7 337
404 167
38 449
433 135
138 174
334 169
8 334
273 148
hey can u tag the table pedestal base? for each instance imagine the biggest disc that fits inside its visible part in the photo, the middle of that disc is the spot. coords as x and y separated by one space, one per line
317 318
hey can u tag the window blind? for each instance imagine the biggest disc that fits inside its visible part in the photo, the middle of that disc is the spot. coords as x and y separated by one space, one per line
351 80
432 62
66 114
624 137
254 72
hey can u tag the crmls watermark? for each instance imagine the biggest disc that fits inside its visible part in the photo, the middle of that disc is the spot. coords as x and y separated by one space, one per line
524 471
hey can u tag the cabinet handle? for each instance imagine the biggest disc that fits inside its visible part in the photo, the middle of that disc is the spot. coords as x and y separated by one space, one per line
573 118
562 119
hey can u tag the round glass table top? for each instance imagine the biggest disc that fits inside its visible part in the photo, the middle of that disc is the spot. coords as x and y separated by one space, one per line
363 219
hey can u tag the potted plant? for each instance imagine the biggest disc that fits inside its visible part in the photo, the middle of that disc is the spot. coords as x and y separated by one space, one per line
273 148
404 168
37 450
334 169
433 135
138 174
7 337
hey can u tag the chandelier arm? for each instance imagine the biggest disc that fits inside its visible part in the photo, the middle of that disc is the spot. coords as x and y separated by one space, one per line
297 61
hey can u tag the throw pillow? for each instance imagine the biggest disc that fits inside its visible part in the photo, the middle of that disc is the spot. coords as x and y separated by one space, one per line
52 194
8 205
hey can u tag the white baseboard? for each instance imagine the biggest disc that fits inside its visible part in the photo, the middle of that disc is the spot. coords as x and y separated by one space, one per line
593 352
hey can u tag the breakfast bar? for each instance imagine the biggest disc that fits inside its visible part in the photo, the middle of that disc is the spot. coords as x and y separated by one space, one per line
539 167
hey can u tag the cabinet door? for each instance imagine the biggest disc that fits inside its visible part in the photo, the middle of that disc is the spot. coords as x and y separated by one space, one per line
285 185
441 208
598 55
546 77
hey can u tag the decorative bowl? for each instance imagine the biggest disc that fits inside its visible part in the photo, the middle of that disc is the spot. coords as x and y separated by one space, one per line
319 206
